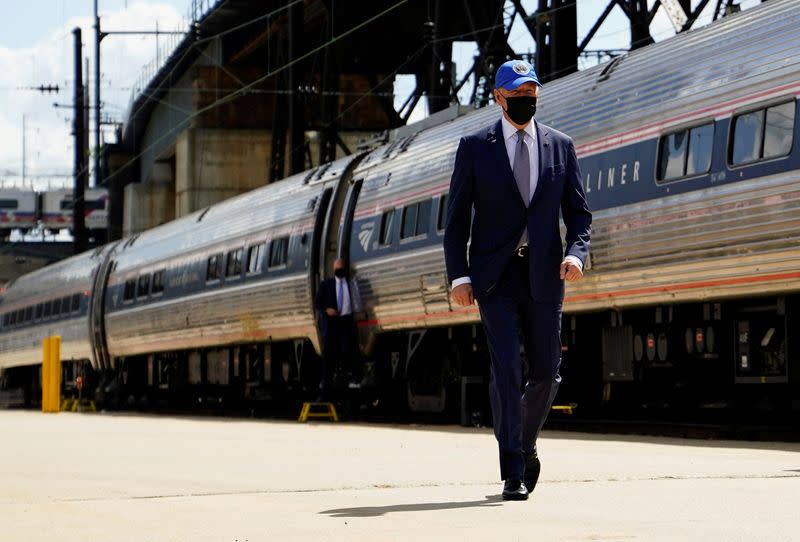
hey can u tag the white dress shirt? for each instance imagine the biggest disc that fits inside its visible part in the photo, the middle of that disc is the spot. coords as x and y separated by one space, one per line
343 302
510 138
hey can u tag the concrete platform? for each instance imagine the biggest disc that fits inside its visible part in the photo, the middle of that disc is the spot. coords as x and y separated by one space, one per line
140 478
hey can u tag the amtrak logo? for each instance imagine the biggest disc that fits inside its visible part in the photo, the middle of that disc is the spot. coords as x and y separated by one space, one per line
521 68
365 235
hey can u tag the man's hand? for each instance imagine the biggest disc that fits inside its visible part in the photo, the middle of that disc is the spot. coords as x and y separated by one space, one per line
570 271
462 294
331 312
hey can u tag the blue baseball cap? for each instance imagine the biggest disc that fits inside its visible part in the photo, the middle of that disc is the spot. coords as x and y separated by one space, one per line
513 73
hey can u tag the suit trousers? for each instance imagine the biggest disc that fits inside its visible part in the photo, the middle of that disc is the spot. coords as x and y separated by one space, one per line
339 351
512 319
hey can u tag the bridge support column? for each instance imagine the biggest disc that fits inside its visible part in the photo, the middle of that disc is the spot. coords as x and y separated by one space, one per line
212 165
151 203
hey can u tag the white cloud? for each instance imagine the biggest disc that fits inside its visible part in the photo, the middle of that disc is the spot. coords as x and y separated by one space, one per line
50 61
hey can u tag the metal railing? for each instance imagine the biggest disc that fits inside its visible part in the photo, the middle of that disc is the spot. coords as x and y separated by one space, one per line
167 43
199 8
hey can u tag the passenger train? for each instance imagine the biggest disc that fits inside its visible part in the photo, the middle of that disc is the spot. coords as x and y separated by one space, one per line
25 210
690 304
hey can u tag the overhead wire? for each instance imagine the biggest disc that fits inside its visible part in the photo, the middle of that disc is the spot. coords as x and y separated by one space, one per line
206 39
233 95
249 87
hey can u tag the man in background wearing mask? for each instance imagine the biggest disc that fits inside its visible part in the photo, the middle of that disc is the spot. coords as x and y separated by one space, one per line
337 299
515 175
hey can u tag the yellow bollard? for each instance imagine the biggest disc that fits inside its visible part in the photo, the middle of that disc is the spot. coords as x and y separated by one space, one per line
51 374
45 374
55 375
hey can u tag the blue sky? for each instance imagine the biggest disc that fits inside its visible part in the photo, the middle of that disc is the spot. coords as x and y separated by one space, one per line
36 48
34 19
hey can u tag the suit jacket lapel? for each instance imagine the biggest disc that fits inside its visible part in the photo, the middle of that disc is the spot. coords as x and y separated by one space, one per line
545 157
498 145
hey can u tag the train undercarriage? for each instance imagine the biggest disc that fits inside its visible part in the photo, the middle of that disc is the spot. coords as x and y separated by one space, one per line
725 362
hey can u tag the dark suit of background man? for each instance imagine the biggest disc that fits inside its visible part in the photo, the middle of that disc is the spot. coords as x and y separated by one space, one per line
516 174
337 300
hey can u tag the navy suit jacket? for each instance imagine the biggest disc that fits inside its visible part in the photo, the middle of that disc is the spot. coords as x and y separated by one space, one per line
484 181
326 299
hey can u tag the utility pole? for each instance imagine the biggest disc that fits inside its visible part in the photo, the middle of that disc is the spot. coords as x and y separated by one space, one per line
23 149
41 88
87 107
97 37
79 171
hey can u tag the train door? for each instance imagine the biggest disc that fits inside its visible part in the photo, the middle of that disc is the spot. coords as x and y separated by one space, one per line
336 234
315 269
347 224
97 330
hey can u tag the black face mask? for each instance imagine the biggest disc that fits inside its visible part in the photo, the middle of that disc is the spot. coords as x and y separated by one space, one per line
341 272
521 109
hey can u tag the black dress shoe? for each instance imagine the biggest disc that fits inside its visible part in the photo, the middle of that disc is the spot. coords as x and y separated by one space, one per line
532 469
514 490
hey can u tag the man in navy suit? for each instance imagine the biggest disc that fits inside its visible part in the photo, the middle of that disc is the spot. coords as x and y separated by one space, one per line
515 176
337 299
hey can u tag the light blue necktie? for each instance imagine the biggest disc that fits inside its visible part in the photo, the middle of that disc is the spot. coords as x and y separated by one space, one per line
339 295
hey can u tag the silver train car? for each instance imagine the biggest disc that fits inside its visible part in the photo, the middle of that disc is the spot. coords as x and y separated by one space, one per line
690 152
17 211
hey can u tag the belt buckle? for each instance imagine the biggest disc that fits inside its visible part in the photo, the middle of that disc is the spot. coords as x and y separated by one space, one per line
521 251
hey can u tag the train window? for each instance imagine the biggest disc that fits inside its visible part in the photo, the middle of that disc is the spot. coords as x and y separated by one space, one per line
673 156
88 205
423 217
416 219
144 285
76 302
409 223
747 133
701 141
130 290
687 152
65 303
778 130
47 309
234 267
255 255
158 282
12 318
5 320
278 251
39 311
766 133
214 269
9 204
441 219
28 314
20 316
56 307
387 221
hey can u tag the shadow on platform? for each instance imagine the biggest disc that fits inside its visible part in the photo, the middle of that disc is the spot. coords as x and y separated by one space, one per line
375 511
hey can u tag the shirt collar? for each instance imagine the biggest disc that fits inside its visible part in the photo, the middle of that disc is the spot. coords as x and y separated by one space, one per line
509 130
338 279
